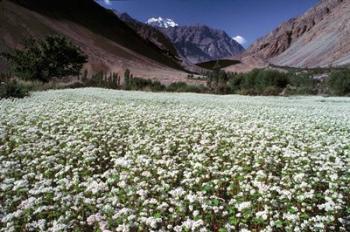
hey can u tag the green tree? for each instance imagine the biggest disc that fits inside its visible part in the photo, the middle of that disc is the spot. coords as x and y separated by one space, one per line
52 57
339 82
127 77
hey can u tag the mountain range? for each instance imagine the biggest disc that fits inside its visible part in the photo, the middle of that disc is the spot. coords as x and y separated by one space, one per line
164 50
198 43
201 43
194 44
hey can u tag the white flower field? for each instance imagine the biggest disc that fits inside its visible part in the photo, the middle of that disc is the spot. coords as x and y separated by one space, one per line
106 160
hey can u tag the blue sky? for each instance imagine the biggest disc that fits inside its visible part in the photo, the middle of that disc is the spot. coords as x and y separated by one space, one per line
250 19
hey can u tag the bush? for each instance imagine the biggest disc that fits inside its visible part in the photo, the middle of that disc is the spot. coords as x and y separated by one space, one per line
303 84
272 91
101 80
234 83
45 59
339 83
271 78
217 81
13 89
136 83
184 87
258 82
250 92
178 87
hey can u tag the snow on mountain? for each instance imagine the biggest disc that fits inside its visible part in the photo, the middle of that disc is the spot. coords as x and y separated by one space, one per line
200 43
162 22
240 39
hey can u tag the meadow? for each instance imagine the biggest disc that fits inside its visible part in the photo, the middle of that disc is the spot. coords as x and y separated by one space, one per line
106 160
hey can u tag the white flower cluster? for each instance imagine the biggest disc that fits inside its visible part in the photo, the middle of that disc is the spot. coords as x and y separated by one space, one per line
105 160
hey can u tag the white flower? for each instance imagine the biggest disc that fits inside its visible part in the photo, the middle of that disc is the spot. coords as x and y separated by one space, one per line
160 161
122 162
96 187
262 214
178 192
243 205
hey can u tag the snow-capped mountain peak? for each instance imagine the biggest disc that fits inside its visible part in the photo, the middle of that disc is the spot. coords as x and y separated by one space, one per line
162 22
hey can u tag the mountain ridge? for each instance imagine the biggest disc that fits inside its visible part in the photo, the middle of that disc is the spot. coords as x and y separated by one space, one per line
157 37
110 43
150 33
161 22
310 40
200 43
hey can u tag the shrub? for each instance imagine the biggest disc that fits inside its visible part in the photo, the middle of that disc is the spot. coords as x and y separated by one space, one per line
178 87
272 91
136 83
42 60
184 87
339 82
102 80
258 82
251 92
303 84
234 83
13 89
249 80
217 81
271 78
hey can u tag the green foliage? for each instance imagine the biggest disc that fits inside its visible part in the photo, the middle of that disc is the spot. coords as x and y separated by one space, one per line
184 87
102 80
264 82
127 76
135 83
303 84
217 81
339 82
258 82
45 59
13 89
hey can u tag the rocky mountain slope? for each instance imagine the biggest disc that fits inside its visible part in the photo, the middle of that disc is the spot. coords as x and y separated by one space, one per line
319 38
198 43
202 43
110 43
151 34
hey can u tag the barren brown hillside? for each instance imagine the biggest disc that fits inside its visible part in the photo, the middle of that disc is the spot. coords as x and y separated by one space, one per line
110 44
319 38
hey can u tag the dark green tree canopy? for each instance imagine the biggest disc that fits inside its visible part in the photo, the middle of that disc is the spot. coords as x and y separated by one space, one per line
52 57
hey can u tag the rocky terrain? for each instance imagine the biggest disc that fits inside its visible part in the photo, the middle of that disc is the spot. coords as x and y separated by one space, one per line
201 43
197 43
112 46
151 34
150 31
319 38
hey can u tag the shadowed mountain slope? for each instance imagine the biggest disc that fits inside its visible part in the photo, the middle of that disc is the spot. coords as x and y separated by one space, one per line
110 44
152 34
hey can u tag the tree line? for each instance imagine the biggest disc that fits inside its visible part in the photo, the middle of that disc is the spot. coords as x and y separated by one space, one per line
56 58
271 82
